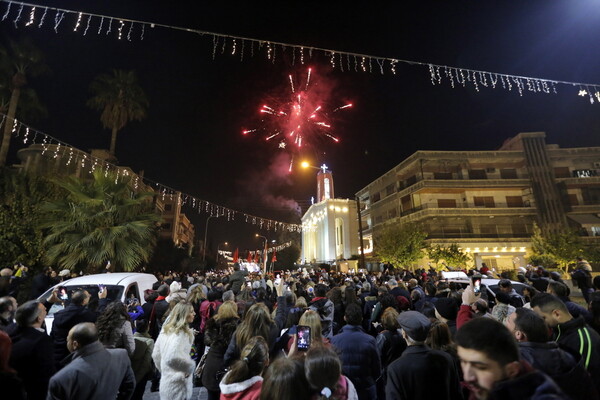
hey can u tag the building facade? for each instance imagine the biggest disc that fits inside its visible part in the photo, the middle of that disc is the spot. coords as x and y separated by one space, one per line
488 201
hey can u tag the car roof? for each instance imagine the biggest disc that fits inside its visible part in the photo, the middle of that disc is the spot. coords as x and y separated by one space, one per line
109 279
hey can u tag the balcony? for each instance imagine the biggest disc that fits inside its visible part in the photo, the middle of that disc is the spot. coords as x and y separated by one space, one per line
432 210
463 183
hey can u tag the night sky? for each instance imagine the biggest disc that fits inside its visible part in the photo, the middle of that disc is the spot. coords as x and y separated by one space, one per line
191 139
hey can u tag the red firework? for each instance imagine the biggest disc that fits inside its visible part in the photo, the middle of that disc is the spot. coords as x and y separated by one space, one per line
299 120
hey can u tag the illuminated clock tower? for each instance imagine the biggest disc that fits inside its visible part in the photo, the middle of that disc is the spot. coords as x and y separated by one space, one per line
324 184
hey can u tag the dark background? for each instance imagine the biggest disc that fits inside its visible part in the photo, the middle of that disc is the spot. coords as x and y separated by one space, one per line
191 139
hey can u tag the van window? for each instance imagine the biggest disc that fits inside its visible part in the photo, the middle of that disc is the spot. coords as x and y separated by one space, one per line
133 292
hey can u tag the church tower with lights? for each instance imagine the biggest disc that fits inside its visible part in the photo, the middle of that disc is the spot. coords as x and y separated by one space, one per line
324 184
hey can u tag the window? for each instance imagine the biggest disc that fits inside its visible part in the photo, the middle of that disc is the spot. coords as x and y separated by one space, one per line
393 213
484 201
390 189
477 174
488 230
442 175
562 172
519 229
508 173
573 200
406 203
168 207
446 203
411 181
376 197
514 201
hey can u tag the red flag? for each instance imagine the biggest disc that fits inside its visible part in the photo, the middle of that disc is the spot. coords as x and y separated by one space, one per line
274 256
236 256
249 258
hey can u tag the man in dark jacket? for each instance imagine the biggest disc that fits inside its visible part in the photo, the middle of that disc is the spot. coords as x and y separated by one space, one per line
41 282
76 312
238 278
322 305
531 333
93 371
573 334
360 360
158 311
32 355
489 358
516 300
408 377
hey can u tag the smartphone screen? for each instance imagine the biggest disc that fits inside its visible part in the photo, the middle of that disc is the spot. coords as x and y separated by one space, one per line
62 293
101 288
303 337
476 285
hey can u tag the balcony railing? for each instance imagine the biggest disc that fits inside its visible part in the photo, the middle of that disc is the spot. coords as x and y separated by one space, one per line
464 208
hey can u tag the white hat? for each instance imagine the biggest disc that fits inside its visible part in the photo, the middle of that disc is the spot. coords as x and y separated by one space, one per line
64 272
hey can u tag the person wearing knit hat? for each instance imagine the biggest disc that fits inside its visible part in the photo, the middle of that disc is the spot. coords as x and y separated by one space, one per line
446 310
409 377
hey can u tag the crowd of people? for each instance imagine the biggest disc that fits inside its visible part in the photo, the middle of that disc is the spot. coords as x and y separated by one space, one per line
307 334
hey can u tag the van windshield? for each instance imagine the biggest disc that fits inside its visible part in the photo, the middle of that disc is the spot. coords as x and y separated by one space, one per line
115 292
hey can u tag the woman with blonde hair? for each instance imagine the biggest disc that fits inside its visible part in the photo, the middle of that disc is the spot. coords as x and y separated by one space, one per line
311 318
218 333
171 354
257 322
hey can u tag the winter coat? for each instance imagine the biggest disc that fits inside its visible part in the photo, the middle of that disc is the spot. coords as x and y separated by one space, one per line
390 346
32 358
155 320
121 338
237 279
94 373
40 283
409 377
245 390
344 390
579 338
141 360
359 356
218 334
529 384
171 357
325 308
64 320
561 366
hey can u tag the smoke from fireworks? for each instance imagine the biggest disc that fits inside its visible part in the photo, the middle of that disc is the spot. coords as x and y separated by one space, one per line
300 119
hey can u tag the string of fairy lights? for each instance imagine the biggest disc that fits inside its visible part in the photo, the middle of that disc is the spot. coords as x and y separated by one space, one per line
253 253
30 15
84 162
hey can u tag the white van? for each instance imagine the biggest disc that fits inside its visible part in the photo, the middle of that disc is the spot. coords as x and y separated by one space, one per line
121 286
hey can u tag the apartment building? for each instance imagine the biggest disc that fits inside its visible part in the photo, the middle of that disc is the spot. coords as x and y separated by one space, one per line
488 201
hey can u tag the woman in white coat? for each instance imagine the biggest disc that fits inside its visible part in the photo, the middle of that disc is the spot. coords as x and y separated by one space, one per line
171 354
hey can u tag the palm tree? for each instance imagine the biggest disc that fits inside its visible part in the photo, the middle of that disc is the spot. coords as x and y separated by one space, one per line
120 99
18 61
99 221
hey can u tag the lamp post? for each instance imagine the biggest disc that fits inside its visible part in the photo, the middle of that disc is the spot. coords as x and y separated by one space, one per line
264 254
217 261
205 232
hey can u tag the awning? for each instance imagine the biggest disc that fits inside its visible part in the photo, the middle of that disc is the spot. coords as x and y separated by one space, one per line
585 219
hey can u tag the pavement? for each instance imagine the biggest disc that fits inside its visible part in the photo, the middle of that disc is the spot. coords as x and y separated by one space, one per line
199 394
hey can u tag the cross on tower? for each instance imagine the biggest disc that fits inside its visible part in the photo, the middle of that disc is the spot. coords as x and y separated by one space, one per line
324 168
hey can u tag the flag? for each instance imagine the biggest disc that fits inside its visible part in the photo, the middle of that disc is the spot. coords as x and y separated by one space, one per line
236 256
274 256
249 258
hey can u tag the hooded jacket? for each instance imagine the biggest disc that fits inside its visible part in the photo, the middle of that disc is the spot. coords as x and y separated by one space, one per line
560 365
245 390
578 337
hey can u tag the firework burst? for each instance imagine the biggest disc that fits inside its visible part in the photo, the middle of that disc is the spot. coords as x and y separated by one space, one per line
300 119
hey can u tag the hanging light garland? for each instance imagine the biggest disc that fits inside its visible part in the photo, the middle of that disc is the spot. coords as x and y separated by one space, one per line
344 61
85 162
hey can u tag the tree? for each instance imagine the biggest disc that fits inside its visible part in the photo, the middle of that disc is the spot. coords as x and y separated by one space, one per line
21 197
120 98
452 256
555 248
99 221
18 62
400 245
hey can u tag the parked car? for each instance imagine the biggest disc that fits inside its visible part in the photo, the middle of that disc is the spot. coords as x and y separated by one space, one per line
120 286
491 284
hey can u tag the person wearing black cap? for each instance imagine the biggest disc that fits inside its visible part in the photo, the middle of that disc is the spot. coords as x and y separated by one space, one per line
446 310
409 377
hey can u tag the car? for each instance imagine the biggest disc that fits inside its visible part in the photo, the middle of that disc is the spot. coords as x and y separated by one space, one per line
120 286
491 284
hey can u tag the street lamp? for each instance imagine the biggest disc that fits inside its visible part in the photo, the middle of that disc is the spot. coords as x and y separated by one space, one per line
264 254
217 262
205 232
